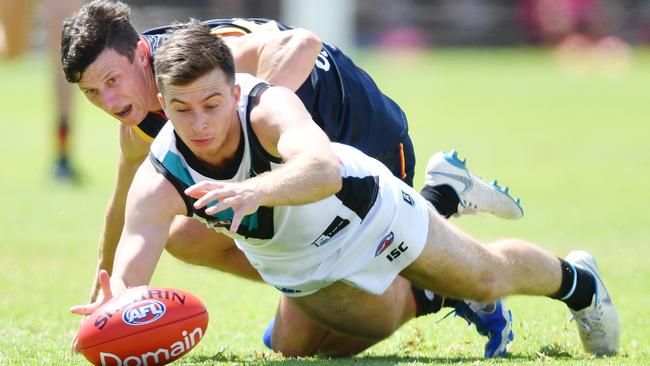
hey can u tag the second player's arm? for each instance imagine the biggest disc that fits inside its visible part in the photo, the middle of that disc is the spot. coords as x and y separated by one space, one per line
133 151
283 58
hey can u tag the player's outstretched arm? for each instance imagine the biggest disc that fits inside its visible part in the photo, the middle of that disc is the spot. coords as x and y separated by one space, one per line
151 205
286 130
283 58
133 151
150 208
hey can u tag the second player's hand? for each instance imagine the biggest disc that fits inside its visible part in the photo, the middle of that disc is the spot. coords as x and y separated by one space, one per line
241 198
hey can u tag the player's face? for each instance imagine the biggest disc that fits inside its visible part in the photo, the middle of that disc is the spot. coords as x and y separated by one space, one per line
121 88
204 115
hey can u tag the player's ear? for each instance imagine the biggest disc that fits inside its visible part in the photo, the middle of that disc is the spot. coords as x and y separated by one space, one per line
161 100
236 93
142 52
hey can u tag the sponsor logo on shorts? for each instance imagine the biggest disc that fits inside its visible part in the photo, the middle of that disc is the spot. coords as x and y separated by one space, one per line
143 312
337 225
396 252
407 198
385 243
287 290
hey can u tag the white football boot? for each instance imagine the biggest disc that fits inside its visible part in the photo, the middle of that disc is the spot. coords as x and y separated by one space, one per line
474 193
598 324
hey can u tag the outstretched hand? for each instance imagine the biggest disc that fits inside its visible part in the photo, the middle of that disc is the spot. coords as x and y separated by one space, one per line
86 310
105 283
241 198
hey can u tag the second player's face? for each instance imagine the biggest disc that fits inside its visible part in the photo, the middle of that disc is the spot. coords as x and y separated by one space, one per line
204 115
119 87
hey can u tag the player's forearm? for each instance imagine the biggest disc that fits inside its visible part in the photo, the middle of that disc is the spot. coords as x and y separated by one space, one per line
289 59
305 179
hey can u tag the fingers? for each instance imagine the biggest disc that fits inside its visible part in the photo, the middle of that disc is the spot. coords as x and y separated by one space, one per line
213 195
198 190
86 309
236 220
75 340
105 283
223 205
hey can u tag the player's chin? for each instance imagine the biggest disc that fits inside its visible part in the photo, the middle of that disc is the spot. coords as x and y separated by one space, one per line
132 117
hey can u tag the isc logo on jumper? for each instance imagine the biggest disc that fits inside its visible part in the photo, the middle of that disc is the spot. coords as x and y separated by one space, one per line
143 312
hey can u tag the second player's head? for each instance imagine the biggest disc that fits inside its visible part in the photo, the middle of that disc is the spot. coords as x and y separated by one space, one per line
103 53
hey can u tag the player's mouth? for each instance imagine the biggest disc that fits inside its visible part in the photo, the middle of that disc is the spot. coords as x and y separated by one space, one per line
200 142
124 112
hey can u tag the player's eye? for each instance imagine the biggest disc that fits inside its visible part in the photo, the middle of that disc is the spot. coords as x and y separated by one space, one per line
90 92
212 106
112 80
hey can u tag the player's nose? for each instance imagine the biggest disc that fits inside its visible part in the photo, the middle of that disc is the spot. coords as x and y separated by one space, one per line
108 101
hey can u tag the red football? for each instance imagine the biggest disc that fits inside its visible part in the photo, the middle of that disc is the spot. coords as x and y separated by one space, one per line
144 326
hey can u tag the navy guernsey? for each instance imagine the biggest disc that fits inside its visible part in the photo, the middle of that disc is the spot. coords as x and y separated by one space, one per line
341 98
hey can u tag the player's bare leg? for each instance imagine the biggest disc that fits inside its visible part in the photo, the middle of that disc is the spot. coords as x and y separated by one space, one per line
56 12
360 319
517 267
192 242
453 263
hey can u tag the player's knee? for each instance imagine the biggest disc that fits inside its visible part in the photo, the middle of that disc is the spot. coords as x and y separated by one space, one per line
181 251
486 289
291 346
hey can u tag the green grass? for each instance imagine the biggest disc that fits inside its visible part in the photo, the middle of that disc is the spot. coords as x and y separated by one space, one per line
573 146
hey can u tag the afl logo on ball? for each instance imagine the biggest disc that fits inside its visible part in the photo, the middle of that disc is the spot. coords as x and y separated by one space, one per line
143 312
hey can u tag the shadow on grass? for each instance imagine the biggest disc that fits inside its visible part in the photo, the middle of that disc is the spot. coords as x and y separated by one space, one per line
545 353
276 359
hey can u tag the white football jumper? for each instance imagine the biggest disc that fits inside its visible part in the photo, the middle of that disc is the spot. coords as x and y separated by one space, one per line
363 236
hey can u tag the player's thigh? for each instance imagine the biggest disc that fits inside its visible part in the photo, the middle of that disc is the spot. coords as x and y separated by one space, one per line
192 242
187 234
454 264
352 312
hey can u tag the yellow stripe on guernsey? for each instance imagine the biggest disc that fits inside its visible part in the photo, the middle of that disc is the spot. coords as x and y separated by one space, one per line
142 134
254 27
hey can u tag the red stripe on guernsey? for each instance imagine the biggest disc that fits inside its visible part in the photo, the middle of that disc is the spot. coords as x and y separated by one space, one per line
161 113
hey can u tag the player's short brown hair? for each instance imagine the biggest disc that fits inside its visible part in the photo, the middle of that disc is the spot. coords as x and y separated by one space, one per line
190 51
